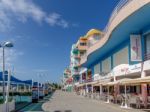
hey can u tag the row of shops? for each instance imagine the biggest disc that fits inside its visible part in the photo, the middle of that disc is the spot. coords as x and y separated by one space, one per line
114 65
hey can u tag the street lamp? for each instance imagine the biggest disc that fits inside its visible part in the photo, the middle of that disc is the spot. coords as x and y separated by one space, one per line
3 46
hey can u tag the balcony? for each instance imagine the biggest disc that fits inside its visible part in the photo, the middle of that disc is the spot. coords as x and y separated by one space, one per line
76 56
75 73
82 48
75 64
67 72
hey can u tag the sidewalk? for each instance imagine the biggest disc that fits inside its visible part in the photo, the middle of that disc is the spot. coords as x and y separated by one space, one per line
69 102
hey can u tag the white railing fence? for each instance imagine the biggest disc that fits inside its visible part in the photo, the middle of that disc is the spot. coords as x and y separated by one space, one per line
120 5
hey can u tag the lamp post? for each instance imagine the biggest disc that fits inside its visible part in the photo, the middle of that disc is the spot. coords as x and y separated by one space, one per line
3 46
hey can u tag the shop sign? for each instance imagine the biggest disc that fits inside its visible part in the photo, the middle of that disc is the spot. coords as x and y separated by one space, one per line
127 69
135 41
121 69
96 77
135 68
147 65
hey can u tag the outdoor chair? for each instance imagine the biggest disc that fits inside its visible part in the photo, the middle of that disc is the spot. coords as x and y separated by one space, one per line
103 97
111 98
138 102
132 101
97 96
119 99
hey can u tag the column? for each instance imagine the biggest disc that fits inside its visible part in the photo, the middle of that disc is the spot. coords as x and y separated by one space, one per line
92 91
116 92
86 88
101 91
24 87
144 90
100 88
17 87
29 88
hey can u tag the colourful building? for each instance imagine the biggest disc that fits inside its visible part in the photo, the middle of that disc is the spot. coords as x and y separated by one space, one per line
114 63
121 54
67 80
74 63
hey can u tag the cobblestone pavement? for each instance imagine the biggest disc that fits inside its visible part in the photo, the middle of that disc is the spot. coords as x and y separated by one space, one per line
69 102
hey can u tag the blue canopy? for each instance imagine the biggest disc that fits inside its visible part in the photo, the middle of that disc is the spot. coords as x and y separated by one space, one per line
28 82
14 79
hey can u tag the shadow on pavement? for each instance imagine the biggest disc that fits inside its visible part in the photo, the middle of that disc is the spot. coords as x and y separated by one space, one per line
63 111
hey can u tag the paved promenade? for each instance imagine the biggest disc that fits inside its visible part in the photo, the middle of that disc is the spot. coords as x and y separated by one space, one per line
69 102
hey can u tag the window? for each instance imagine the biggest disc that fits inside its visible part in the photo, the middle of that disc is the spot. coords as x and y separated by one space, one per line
96 37
147 46
97 69
82 44
106 65
121 57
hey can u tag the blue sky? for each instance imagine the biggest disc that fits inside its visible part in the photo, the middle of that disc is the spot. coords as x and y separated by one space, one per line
44 30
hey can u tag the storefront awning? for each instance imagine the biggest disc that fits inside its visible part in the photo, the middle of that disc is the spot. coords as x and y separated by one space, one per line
137 81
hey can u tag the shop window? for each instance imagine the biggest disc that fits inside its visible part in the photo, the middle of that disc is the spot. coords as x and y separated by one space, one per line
97 69
121 57
106 65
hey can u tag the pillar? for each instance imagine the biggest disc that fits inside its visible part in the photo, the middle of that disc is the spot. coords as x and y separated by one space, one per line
101 91
86 88
144 94
144 91
17 87
29 88
24 88
116 92
92 91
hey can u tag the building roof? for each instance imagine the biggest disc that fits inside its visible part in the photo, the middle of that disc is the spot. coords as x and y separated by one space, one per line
92 32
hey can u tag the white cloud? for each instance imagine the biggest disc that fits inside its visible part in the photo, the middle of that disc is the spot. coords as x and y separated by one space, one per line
4 22
55 19
11 55
22 10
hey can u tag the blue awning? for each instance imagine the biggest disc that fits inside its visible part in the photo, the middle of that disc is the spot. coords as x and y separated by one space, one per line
14 79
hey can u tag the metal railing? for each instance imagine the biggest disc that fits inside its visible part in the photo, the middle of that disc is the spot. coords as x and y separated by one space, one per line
121 4
147 56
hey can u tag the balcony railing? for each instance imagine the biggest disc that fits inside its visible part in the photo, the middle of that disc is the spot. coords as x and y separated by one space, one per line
147 56
121 4
76 56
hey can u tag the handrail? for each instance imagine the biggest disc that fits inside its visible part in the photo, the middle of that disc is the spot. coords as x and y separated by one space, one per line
147 56
120 5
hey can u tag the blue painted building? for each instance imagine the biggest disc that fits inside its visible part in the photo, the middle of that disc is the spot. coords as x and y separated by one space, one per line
123 52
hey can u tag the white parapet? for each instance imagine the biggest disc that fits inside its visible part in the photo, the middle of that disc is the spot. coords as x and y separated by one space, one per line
146 65
120 13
